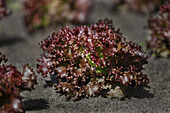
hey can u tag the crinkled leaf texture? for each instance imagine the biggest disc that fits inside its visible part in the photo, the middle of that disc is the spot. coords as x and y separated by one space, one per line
90 61
12 82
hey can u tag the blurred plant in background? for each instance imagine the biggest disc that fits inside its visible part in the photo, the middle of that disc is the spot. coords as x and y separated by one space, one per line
143 6
40 13
12 82
159 40
92 61
14 5
4 11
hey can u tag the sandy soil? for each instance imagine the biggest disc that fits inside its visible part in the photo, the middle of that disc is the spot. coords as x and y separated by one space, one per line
22 47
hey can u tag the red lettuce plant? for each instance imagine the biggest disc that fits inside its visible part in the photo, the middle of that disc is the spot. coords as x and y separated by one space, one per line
143 6
40 13
92 61
12 82
159 40
4 11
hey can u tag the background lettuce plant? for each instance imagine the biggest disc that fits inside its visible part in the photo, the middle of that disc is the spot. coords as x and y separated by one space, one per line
143 6
40 13
12 82
159 40
4 11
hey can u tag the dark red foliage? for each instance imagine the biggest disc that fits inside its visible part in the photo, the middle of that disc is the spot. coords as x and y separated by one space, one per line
159 40
4 11
143 6
90 60
40 13
12 82
2 57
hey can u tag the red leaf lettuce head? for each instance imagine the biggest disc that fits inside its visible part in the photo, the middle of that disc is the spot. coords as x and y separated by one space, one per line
159 40
12 82
40 13
90 60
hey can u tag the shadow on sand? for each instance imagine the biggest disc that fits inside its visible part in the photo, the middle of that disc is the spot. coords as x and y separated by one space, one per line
37 104
7 40
138 92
